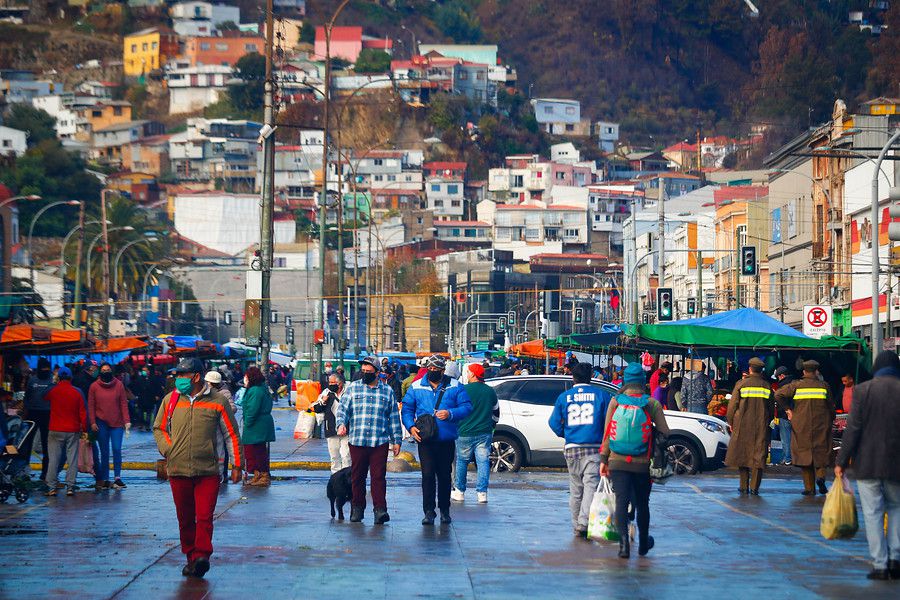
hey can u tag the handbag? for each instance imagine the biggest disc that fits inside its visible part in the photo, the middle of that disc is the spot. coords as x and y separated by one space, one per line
601 519
427 423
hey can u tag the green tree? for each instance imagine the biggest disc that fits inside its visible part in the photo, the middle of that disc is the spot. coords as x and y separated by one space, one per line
35 122
456 20
248 96
371 60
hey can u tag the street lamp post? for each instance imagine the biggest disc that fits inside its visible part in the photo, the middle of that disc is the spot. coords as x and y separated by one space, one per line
34 220
62 257
876 316
121 252
30 197
97 239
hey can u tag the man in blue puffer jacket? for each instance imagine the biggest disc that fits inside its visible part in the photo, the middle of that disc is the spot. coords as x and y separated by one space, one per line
578 416
437 454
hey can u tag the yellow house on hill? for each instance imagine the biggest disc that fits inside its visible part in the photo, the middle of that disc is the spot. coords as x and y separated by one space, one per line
148 49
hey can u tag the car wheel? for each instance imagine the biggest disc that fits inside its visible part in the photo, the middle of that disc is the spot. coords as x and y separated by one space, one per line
507 454
684 455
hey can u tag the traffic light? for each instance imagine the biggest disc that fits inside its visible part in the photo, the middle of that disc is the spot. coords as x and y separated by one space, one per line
578 315
273 316
511 317
288 321
227 317
664 310
894 212
748 260
691 306
501 324
646 319
289 335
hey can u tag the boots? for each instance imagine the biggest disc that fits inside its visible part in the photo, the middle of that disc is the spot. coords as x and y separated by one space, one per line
624 547
445 517
821 485
356 513
645 544
252 480
264 480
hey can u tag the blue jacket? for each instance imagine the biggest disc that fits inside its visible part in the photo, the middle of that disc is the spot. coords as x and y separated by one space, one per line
579 415
420 399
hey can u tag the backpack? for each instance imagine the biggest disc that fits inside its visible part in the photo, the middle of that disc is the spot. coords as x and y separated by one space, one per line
630 429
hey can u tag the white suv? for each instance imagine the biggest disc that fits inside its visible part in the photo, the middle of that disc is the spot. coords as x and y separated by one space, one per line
524 438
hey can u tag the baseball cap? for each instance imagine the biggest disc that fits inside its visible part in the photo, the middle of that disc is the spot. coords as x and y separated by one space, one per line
477 370
64 372
190 365
782 370
371 361
213 377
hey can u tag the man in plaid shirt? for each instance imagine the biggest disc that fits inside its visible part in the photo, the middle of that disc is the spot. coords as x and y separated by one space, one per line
368 412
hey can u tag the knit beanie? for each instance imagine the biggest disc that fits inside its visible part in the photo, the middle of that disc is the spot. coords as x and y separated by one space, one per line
634 374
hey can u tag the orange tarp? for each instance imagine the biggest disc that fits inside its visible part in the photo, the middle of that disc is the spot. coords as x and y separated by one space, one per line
120 344
533 349
18 334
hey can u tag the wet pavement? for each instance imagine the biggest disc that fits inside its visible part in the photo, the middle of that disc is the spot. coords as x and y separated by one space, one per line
281 543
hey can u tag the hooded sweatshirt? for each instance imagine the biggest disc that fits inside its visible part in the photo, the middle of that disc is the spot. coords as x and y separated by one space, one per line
108 402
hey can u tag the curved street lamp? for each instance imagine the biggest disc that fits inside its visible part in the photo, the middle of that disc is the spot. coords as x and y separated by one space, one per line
154 267
94 243
62 250
152 238
34 220
30 197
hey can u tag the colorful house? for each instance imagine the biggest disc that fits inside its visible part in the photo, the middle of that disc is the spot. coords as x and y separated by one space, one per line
148 49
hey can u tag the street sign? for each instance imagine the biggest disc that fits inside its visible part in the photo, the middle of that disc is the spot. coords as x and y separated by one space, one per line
482 346
817 321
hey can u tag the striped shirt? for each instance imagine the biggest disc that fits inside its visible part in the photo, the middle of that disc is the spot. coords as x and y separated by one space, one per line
370 414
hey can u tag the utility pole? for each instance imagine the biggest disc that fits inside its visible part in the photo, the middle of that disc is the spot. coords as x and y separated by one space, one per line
76 320
700 298
267 202
340 251
876 283
104 307
661 232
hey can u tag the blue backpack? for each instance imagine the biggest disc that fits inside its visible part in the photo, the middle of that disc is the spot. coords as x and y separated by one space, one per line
630 429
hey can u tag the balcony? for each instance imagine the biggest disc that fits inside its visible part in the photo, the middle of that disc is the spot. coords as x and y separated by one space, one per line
818 249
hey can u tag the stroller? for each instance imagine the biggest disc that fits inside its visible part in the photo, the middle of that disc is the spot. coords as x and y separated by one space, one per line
13 480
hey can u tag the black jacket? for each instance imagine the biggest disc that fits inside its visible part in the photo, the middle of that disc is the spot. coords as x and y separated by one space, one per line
871 442
328 410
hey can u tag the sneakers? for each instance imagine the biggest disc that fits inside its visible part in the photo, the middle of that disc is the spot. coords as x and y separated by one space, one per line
118 484
50 492
429 518
381 517
356 514
482 497
787 463
70 492
457 495
445 517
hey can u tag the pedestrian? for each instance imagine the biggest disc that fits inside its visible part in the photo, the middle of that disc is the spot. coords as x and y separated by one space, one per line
445 398
185 430
661 394
673 395
783 377
810 407
109 419
578 416
696 391
749 412
476 434
215 381
327 404
663 370
37 408
68 420
625 457
258 428
848 382
368 413
870 447
388 376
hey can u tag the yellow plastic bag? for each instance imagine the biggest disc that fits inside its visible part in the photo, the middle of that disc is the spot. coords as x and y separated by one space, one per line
839 513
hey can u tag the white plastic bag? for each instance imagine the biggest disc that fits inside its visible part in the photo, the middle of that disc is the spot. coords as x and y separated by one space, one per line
602 519
306 423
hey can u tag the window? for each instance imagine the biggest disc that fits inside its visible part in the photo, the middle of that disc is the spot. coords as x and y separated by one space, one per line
154 45
570 110
455 203
439 204
452 189
560 175
280 262
378 177
378 162
392 178
540 174
479 76
222 47
454 232
517 181
133 48
96 113
204 45
435 187
539 391
144 46
571 233
250 47
117 111
470 233
570 127
548 110
419 220
462 75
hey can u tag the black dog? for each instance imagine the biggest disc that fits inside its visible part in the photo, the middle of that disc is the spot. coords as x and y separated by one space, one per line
339 491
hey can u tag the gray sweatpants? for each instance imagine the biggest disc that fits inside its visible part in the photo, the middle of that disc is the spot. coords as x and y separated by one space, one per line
63 446
584 477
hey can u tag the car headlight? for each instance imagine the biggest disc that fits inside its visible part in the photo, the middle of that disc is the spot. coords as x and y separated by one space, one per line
714 427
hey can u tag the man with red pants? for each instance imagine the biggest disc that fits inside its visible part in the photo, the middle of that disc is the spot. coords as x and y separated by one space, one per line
185 429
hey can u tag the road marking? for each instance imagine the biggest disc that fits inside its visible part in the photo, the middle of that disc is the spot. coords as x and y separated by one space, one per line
24 511
774 524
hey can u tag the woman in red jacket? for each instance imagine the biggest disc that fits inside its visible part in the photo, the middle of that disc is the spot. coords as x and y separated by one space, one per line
108 415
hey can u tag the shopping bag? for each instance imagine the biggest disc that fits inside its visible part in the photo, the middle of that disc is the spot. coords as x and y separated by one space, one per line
601 522
306 423
839 513
85 456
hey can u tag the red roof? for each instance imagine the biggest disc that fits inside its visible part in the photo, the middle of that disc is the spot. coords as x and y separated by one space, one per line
681 147
580 256
740 192
379 43
443 166
341 34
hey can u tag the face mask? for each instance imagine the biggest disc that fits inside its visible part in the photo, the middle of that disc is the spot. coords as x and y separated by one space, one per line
435 376
368 378
328 371
333 387
106 377
183 385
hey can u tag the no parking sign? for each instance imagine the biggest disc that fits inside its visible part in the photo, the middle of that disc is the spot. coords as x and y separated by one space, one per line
817 321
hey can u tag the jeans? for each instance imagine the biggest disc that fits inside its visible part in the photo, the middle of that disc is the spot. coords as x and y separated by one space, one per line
372 461
106 435
62 446
784 432
584 476
632 488
339 452
480 446
41 420
877 497
436 458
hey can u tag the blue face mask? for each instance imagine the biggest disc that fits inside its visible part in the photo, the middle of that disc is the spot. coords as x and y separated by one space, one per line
183 385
